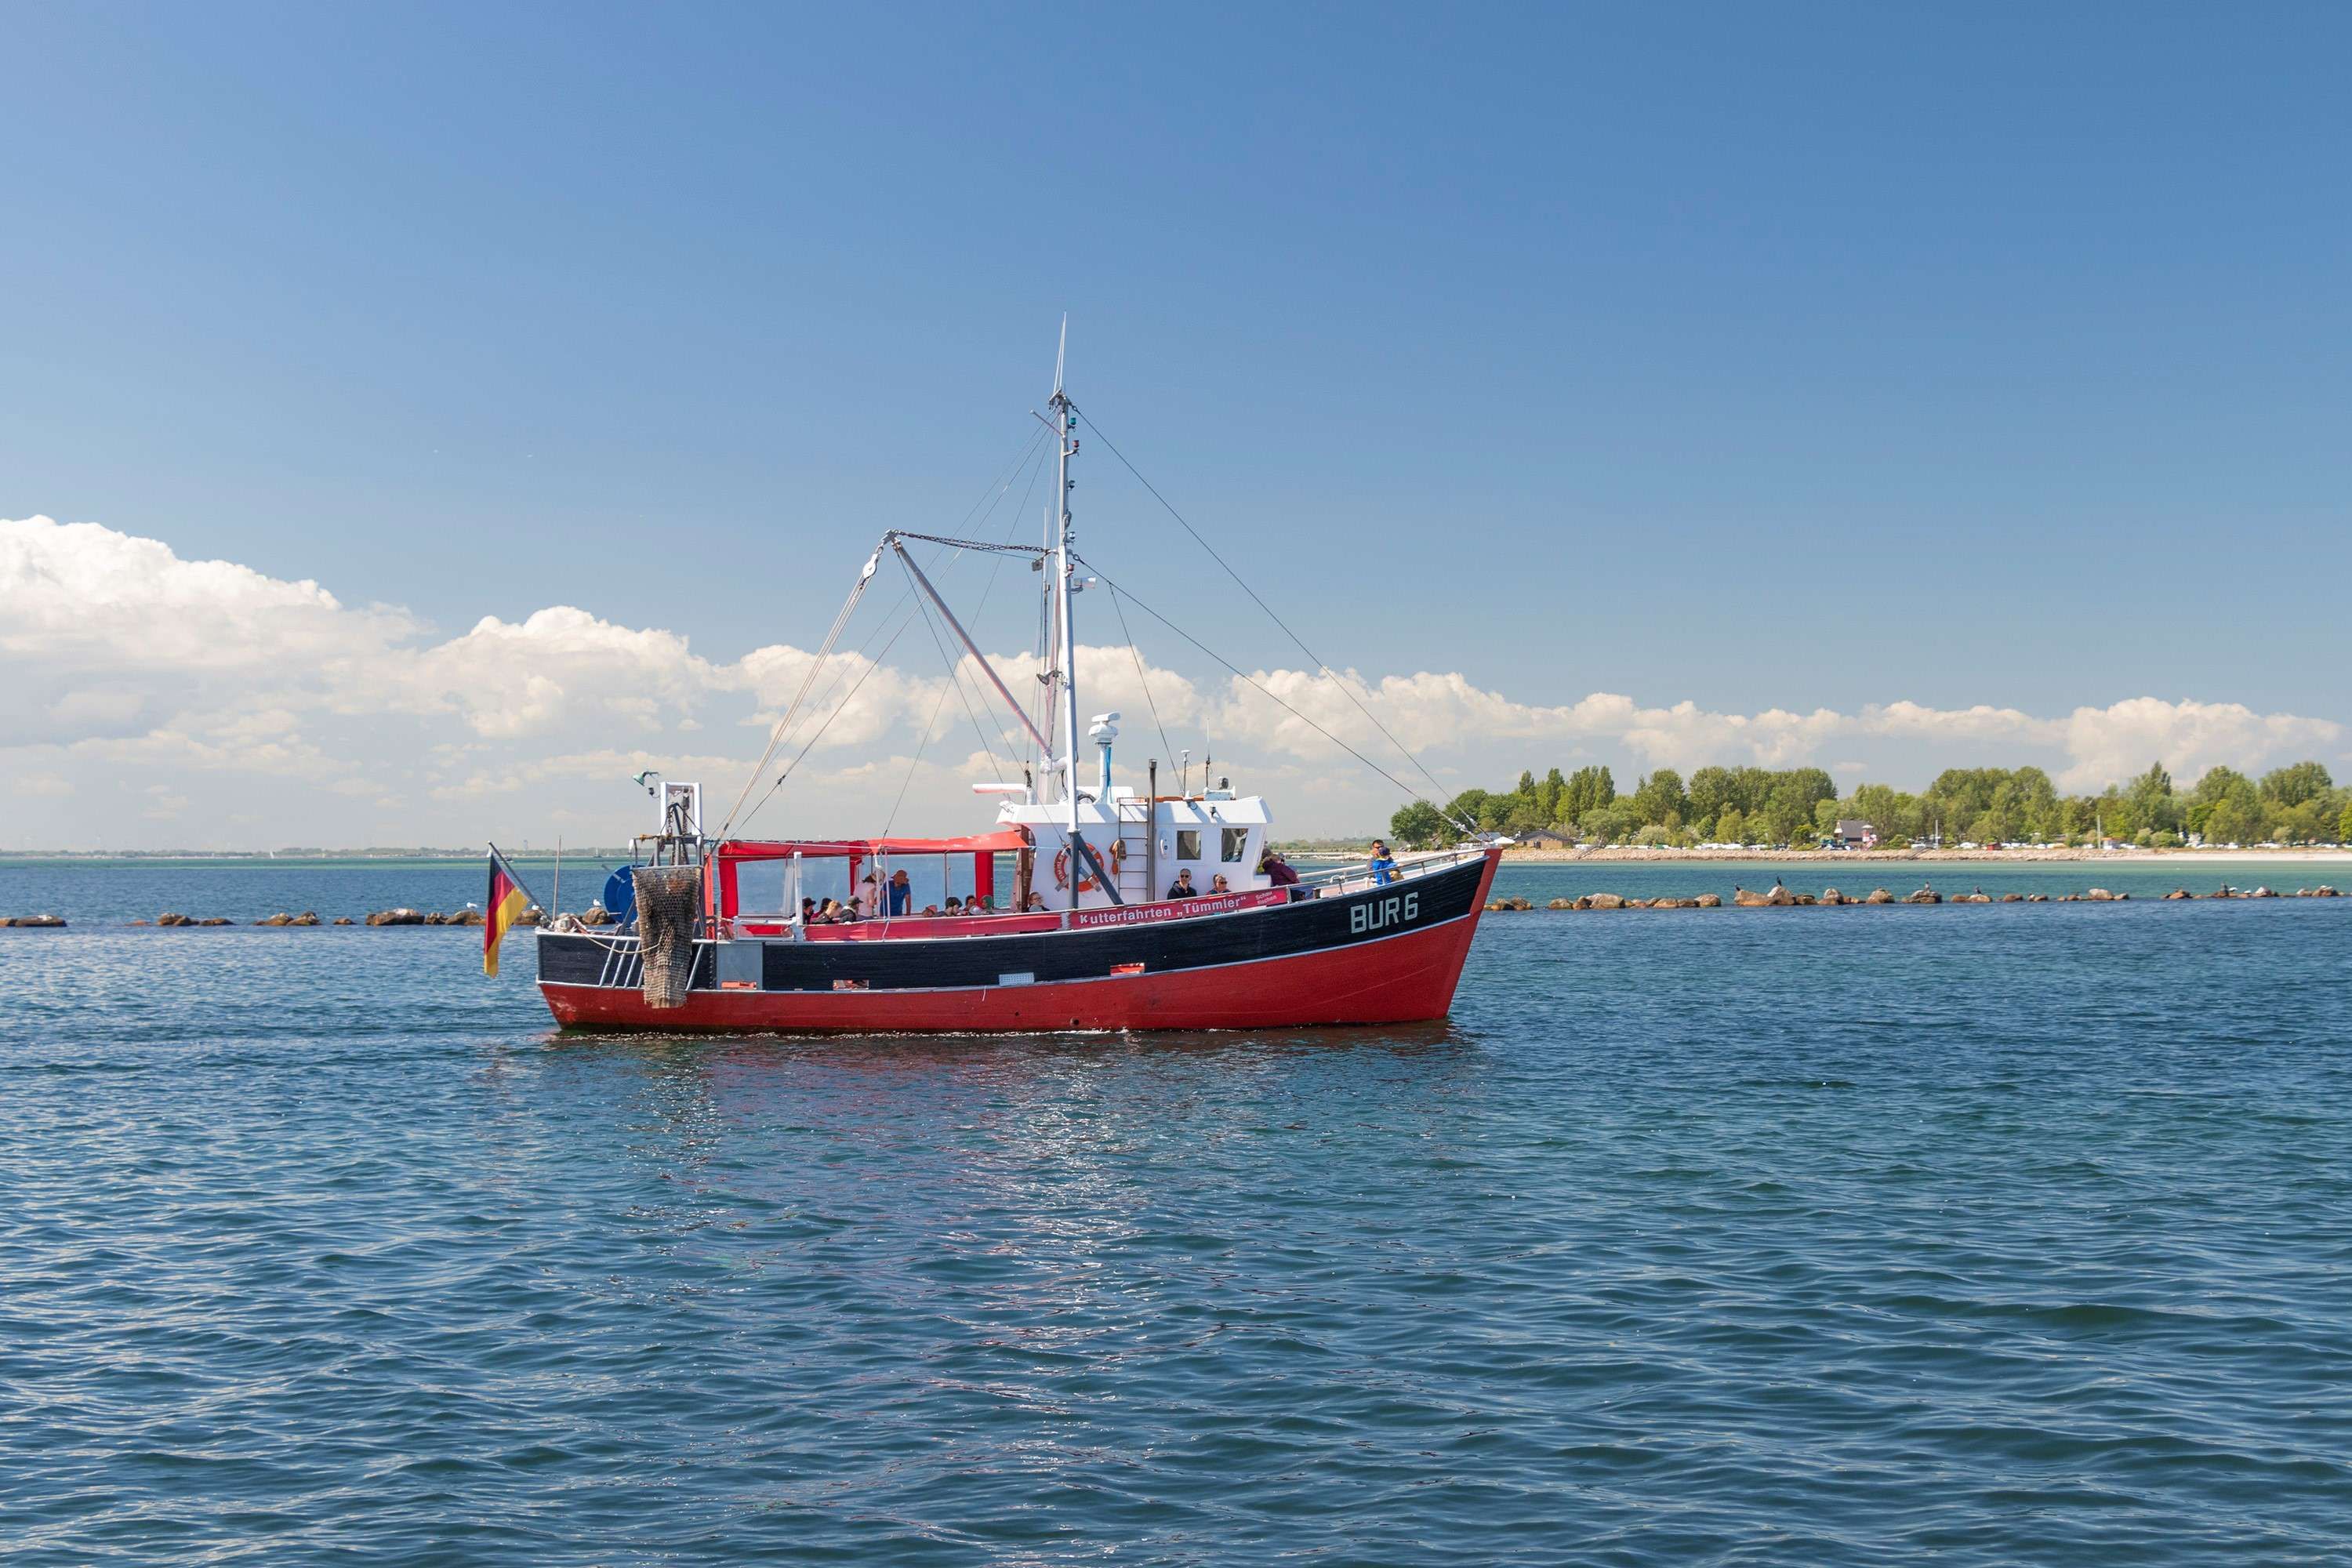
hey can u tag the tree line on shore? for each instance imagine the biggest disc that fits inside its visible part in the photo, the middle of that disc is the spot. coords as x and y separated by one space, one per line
1800 807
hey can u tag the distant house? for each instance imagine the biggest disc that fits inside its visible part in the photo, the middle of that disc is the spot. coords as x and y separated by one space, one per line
1543 839
1853 834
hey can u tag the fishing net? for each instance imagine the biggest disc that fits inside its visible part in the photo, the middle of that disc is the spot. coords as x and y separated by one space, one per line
669 897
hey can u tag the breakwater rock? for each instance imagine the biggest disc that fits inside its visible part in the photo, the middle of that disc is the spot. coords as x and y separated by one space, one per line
33 923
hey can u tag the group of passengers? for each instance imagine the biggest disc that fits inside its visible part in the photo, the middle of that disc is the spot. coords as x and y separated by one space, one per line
1275 869
878 899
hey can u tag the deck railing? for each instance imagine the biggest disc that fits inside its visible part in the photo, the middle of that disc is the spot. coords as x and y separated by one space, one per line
1355 876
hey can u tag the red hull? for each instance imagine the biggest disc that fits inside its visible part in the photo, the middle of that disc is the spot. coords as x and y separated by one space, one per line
1401 979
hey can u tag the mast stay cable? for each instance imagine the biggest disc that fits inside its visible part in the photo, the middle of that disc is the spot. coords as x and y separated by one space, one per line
1320 664
990 498
1142 679
1240 675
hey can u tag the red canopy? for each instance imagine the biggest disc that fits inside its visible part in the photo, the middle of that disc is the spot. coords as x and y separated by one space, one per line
816 848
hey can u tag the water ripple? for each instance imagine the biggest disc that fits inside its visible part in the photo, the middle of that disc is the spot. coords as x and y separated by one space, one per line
1998 1234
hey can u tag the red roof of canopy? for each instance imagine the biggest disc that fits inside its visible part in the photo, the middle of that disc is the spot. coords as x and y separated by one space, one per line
817 849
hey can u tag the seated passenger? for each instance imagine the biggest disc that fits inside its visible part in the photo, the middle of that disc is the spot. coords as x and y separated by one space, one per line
955 907
1183 887
981 905
808 911
1278 869
1037 904
932 910
1217 884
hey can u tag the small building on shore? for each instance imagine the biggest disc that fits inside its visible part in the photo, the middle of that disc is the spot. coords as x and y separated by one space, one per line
1542 838
1853 834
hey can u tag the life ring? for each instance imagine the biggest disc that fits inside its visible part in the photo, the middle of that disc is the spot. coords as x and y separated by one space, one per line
1062 871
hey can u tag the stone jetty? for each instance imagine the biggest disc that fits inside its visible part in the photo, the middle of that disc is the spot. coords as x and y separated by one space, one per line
1779 897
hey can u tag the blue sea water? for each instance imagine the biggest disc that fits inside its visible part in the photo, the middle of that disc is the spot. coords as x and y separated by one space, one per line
1989 1233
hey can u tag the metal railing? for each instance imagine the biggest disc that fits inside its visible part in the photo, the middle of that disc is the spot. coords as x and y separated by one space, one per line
1334 880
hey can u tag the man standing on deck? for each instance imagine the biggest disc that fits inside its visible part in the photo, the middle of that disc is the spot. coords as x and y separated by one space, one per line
1383 866
902 893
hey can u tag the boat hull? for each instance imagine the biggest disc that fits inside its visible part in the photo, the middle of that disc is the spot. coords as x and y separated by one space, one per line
1379 956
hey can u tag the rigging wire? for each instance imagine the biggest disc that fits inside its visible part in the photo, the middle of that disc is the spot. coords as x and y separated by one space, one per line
1251 681
955 678
776 736
847 698
991 498
1320 664
914 762
1167 748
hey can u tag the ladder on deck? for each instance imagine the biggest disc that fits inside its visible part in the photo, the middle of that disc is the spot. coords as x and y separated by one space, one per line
1134 840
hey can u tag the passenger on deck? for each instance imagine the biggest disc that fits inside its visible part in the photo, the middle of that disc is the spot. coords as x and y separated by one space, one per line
1383 866
981 905
1278 869
869 897
1037 904
955 907
1183 887
932 912
1217 884
902 893
808 911
828 912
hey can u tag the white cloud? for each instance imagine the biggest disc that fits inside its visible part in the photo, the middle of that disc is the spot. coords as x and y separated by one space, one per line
187 691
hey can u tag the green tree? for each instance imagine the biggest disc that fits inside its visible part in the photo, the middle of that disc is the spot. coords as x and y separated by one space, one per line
1420 826
2152 805
1524 817
1588 787
1661 800
1711 789
2344 825
2296 784
1548 794
1731 827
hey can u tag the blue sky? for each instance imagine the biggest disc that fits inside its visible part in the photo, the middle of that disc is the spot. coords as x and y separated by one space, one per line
1791 361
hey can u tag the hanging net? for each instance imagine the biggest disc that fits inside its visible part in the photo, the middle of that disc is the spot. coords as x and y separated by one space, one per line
669 897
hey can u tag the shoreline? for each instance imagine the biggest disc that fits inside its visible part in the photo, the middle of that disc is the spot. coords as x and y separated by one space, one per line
2050 854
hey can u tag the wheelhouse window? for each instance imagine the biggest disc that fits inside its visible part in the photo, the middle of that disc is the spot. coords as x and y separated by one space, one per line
1187 843
1236 845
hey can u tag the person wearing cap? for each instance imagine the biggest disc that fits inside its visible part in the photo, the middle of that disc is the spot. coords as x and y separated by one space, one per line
1383 866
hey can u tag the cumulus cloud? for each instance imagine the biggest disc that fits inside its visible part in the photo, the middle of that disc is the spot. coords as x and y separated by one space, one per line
139 676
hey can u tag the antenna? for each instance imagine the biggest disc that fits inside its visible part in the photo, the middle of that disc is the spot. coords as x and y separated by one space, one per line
1060 351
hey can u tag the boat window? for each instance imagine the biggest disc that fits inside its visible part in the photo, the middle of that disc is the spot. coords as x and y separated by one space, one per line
1236 843
822 877
1187 843
760 887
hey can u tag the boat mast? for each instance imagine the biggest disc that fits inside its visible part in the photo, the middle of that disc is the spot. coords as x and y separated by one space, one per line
1065 421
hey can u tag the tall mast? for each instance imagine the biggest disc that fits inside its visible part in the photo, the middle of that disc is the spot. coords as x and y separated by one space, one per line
1065 421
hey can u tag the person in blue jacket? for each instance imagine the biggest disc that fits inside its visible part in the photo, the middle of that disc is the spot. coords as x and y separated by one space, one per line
1383 866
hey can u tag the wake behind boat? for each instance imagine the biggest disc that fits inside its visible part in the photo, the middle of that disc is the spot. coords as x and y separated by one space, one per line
1088 904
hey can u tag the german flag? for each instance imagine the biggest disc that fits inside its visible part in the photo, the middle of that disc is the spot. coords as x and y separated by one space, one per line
502 908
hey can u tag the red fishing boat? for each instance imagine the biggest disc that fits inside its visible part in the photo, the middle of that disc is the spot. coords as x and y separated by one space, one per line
1071 913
